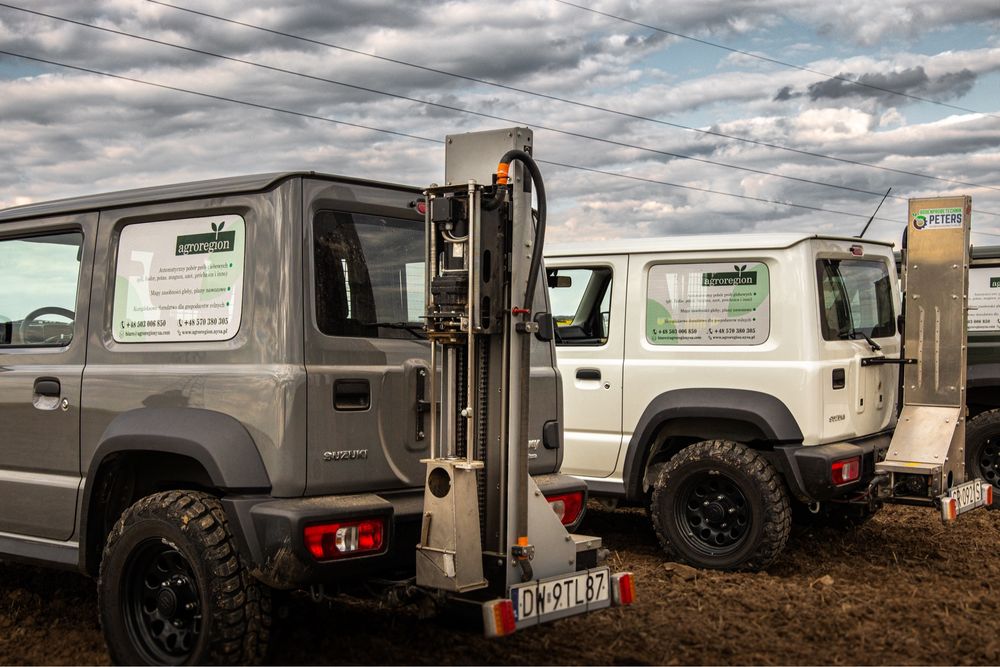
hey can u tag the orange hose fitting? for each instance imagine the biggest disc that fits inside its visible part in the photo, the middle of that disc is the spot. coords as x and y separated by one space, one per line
503 170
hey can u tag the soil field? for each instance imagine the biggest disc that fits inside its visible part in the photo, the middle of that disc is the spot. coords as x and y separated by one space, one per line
903 589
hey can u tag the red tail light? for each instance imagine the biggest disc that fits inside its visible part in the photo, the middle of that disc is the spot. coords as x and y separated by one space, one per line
846 470
344 539
567 506
622 589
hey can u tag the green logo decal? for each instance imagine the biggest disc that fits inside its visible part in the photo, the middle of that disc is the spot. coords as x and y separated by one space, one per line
729 278
994 282
200 244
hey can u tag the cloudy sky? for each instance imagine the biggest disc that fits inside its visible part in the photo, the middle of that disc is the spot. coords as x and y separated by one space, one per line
751 107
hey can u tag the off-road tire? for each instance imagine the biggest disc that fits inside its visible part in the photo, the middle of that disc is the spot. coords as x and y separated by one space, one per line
839 516
234 625
982 450
735 466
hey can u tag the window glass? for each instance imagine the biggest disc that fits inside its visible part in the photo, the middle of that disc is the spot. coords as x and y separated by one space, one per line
179 280
581 308
855 299
984 299
724 303
369 274
38 286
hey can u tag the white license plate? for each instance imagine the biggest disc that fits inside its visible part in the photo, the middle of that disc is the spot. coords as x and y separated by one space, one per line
968 496
540 601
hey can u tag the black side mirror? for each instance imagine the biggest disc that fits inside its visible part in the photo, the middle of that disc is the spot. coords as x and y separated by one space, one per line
555 280
546 327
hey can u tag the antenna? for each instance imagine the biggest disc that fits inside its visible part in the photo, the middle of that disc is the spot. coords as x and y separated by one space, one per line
867 224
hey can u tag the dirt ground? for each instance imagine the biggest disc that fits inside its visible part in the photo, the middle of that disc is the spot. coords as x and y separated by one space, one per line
903 589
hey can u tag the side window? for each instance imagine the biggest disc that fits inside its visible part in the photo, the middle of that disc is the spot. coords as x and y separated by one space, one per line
984 299
855 298
369 275
179 280
38 285
708 304
581 301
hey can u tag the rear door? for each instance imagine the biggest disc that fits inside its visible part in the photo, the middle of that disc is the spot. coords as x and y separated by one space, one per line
365 353
857 299
588 303
44 279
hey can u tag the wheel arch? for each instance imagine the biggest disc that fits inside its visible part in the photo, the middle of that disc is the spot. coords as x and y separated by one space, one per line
153 449
680 417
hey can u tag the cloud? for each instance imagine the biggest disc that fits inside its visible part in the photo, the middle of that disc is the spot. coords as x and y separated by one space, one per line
911 81
65 133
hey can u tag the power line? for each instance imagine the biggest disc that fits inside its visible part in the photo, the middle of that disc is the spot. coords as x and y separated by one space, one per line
445 106
407 135
577 103
774 61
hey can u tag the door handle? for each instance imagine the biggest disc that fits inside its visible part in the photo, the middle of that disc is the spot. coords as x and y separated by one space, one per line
48 387
588 374
352 395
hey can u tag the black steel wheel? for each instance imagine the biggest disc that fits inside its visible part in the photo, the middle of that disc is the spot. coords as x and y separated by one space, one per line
162 602
714 512
720 505
982 450
173 589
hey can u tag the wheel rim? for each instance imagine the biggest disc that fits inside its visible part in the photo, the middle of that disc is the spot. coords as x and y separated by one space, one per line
161 602
712 514
988 461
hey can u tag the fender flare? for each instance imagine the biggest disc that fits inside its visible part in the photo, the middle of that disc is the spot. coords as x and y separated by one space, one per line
764 412
216 441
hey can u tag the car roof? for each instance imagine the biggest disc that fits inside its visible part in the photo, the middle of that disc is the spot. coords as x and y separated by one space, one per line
195 189
694 243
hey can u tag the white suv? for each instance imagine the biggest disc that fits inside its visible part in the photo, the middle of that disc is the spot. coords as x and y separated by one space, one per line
722 380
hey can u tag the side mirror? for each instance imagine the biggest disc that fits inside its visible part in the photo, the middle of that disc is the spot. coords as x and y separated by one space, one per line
546 327
555 280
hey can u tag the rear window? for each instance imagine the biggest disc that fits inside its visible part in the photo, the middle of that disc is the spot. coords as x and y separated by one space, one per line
723 303
179 280
855 298
369 273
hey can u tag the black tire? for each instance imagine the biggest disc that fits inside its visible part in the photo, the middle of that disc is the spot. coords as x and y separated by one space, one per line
840 516
737 498
173 590
982 450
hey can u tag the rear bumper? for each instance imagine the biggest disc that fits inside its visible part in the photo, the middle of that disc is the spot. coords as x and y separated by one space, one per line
806 468
269 533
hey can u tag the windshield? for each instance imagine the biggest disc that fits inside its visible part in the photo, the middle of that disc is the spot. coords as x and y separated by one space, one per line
369 274
855 298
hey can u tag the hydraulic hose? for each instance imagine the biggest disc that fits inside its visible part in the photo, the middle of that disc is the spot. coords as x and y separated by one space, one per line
536 178
523 552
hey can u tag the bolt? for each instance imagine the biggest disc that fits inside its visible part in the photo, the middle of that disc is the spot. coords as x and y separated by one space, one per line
719 497
569 539
538 493
732 510
705 503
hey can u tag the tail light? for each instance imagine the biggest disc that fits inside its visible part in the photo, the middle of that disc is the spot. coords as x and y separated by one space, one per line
622 589
498 618
567 506
846 470
344 539
989 495
949 509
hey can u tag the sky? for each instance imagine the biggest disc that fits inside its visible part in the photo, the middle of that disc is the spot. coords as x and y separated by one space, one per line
628 98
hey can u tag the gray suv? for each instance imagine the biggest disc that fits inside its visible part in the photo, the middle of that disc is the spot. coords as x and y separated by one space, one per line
216 389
